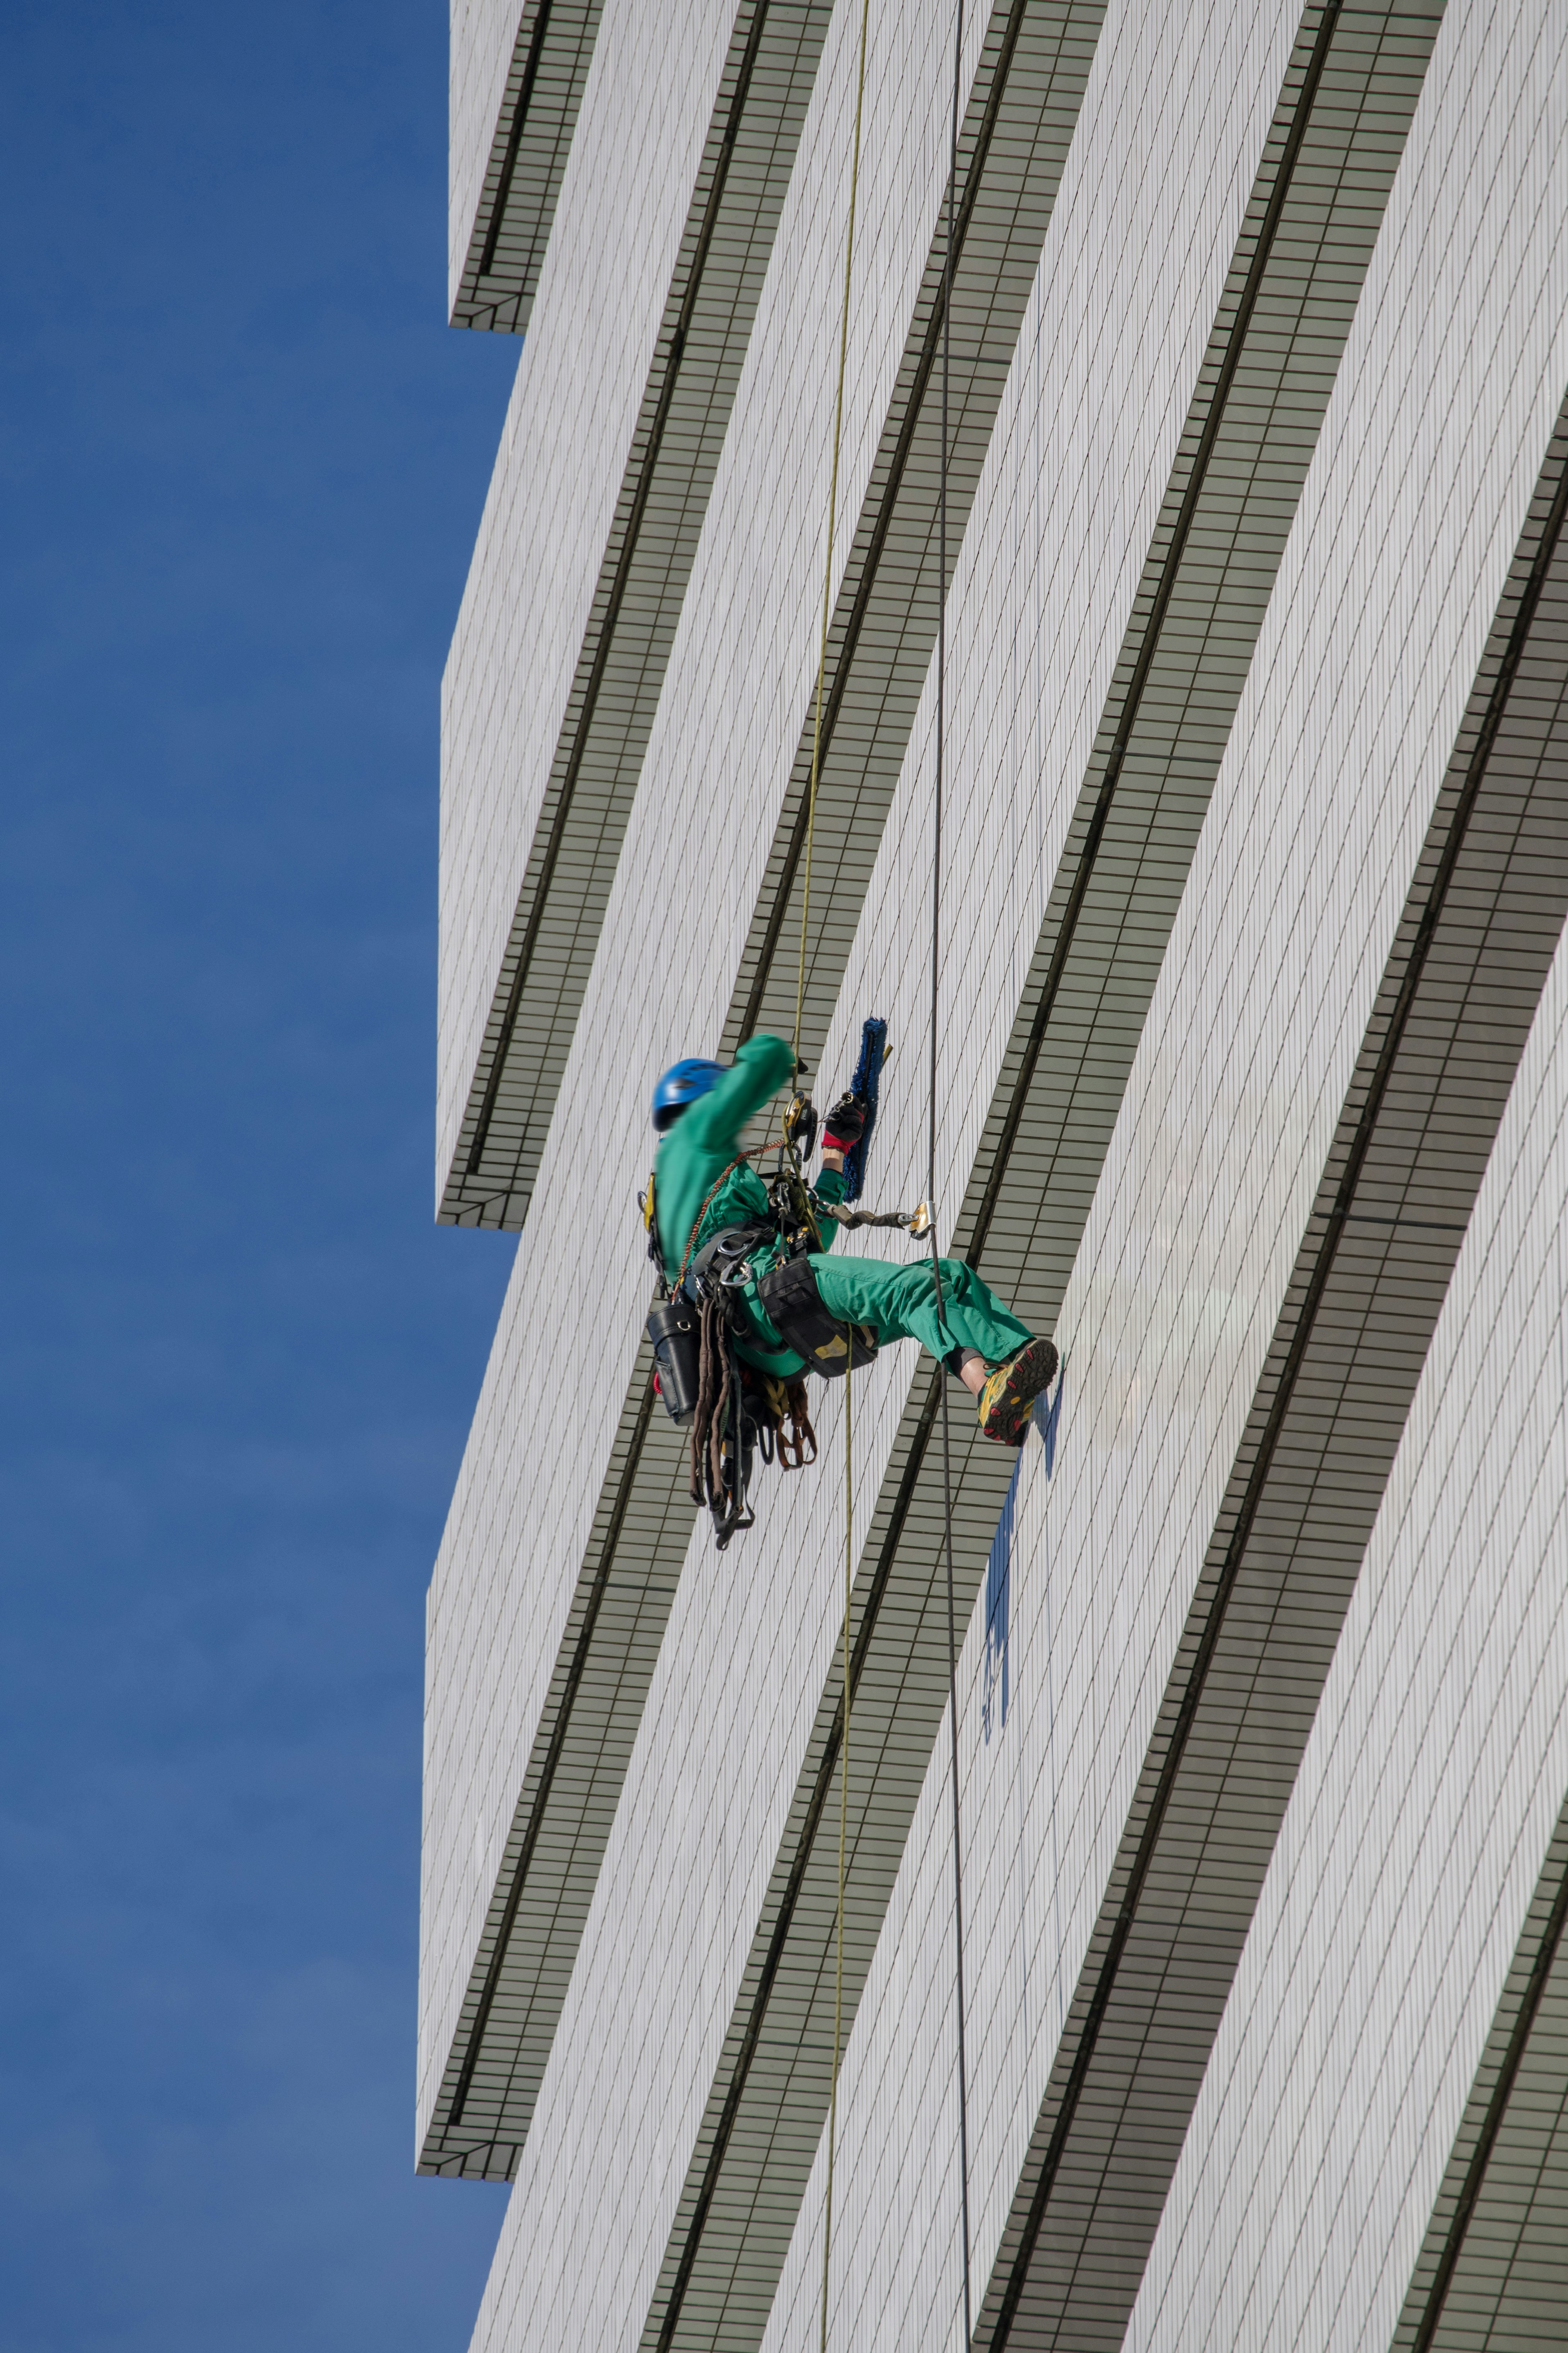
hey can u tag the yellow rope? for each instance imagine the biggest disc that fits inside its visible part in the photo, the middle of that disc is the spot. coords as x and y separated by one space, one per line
831 523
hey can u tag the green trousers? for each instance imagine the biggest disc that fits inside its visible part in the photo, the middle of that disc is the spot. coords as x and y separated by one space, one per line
899 1304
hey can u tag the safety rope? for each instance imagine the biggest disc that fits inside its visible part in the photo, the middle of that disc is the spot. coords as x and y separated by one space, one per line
799 1004
831 523
930 1185
930 1190
843 1829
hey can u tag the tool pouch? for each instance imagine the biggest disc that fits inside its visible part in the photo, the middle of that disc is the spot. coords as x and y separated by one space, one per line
674 1330
792 1302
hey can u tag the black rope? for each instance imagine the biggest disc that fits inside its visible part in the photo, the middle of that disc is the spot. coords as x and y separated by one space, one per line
930 1185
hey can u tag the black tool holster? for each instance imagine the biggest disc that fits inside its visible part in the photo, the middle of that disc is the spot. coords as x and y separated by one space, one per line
792 1302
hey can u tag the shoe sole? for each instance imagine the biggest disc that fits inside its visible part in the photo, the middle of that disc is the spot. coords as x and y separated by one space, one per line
1033 1369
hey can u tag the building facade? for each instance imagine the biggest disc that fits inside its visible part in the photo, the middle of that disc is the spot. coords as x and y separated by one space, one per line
1221 353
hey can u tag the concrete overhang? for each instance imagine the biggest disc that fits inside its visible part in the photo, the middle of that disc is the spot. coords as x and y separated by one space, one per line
496 265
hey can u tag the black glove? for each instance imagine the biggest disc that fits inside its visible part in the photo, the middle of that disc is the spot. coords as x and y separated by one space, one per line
845 1125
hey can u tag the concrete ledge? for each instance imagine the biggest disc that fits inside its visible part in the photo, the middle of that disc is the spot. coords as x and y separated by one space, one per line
516 84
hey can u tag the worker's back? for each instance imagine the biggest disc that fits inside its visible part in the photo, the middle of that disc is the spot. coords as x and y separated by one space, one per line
695 1151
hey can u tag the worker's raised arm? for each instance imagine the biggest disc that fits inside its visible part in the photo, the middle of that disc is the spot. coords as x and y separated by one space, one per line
762 1066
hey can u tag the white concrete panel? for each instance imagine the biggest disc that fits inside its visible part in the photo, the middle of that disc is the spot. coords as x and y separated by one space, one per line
718 762
623 206
1420 1821
1434 434
1167 149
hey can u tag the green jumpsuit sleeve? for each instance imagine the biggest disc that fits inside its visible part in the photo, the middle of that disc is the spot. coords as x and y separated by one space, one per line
715 1120
692 1156
829 1187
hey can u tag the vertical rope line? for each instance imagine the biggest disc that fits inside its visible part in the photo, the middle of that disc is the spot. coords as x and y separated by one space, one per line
832 520
843 1825
931 1193
795 1041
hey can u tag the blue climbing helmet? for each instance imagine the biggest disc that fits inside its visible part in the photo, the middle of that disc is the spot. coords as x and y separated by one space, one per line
682 1084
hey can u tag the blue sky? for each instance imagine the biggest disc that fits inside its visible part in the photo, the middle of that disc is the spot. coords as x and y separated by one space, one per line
242 464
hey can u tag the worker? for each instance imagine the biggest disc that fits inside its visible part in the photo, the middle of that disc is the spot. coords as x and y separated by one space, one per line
813 1311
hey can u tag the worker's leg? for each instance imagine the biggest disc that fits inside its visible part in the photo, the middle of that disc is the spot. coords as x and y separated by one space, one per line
900 1302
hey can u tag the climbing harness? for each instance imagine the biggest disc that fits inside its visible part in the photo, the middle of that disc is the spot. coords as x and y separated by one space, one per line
733 1410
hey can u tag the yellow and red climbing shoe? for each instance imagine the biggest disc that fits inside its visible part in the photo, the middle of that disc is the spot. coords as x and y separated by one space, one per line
1004 1401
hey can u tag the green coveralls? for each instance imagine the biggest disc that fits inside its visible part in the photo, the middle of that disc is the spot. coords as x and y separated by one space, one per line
898 1302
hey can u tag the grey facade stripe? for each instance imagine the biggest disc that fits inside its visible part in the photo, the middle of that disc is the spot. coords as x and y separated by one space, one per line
541 1915
1472 954
632 1563
1159 608
622 575
529 146
541 1794
514 138
898 1660
1493 2268
775 48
